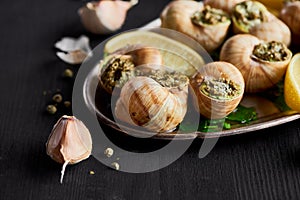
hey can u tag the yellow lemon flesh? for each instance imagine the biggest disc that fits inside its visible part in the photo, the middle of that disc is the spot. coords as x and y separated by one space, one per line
175 54
292 84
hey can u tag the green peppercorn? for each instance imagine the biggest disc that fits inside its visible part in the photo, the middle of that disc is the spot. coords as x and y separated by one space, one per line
51 109
68 73
57 98
67 104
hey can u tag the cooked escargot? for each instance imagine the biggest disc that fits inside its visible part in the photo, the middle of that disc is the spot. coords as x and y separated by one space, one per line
226 5
119 67
208 26
253 17
262 64
290 15
219 87
156 105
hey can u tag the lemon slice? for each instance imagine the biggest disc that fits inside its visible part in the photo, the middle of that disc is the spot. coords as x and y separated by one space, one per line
292 84
176 55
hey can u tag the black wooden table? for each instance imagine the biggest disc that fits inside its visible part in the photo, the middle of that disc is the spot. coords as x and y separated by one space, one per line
259 165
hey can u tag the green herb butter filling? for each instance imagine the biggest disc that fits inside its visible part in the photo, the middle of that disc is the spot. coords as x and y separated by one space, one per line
209 16
271 51
248 14
221 88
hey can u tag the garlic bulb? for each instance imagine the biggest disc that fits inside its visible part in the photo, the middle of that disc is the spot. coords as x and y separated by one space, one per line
120 66
290 15
225 5
219 87
105 16
253 17
146 103
262 64
206 25
69 142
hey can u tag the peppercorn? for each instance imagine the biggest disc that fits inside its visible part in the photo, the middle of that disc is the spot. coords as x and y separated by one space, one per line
51 109
68 73
57 98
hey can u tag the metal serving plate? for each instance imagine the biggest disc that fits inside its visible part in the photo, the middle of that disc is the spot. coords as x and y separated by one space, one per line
268 115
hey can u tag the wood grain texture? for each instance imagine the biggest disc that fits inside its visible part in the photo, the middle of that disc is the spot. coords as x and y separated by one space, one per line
260 165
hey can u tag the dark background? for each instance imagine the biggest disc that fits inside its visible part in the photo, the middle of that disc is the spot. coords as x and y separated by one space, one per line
260 165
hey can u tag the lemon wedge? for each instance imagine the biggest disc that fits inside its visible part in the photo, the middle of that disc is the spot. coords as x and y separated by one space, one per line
176 55
292 84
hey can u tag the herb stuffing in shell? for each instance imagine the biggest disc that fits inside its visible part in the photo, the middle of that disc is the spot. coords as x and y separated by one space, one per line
219 87
119 67
208 26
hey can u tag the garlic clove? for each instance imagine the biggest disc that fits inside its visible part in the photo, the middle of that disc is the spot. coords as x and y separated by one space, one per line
73 51
69 142
105 17
72 57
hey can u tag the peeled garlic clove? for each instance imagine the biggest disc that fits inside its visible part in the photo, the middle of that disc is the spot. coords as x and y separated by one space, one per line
69 142
73 51
226 5
105 16
206 25
263 64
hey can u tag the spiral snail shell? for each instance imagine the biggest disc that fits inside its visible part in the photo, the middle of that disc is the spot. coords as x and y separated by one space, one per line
290 15
219 87
208 26
262 64
254 18
119 67
226 5
145 102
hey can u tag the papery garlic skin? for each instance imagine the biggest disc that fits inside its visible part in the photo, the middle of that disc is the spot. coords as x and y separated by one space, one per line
258 74
69 142
105 16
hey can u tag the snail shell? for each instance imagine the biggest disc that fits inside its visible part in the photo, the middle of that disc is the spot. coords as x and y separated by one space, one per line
144 102
274 30
270 28
177 16
213 108
258 74
225 5
290 15
120 65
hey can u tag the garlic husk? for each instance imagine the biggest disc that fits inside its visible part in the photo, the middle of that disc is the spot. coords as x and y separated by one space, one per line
225 5
258 74
144 102
290 15
105 16
73 50
69 142
177 16
216 108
